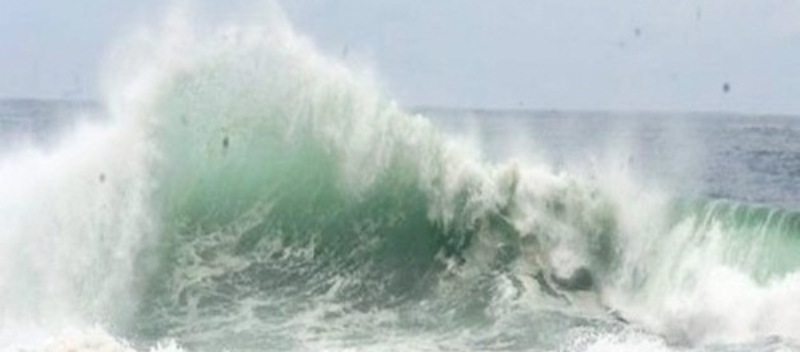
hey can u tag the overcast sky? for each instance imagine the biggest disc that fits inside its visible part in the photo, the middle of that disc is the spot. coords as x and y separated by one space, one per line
551 54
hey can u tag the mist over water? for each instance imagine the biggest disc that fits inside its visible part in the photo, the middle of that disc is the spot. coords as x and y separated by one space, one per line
245 193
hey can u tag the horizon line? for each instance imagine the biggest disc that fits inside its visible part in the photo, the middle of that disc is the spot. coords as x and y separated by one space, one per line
416 108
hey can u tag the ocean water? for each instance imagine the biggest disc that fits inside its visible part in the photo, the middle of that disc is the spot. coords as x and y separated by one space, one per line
236 190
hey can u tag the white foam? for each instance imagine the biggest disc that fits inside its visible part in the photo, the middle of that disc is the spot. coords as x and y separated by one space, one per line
89 340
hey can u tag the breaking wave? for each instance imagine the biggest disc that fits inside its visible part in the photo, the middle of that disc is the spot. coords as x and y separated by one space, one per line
249 193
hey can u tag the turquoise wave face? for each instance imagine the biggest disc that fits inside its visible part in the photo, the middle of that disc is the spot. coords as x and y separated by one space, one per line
759 239
283 184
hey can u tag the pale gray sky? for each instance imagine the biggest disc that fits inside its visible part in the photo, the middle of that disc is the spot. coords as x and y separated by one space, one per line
559 54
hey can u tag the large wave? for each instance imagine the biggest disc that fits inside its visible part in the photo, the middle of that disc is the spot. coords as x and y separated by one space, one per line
248 192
